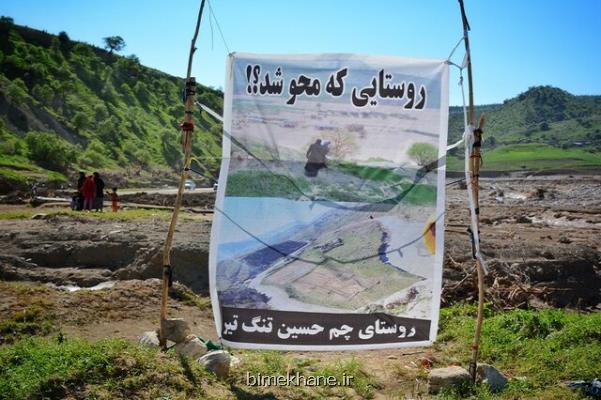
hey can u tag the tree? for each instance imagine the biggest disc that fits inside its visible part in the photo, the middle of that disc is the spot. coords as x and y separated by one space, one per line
65 42
50 151
114 43
423 153
81 120
133 58
342 144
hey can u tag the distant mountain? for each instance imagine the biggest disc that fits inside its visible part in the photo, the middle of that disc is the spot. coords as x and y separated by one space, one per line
542 114
67 105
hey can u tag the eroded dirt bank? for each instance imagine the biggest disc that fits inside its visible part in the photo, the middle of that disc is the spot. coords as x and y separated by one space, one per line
540 237
85 251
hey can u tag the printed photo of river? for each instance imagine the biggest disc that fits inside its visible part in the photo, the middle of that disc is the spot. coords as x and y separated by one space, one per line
322 256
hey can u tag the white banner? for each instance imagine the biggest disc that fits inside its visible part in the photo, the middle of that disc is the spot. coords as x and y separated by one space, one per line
328 226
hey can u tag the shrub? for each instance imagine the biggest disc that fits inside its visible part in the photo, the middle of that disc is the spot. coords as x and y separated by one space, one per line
423 153
50 151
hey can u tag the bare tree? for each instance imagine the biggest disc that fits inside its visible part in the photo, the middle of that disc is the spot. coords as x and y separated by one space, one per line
343 144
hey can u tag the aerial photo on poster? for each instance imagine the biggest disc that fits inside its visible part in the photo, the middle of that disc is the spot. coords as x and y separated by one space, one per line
330 200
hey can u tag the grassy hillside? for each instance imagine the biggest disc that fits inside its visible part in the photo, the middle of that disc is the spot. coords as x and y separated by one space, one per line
67 105
542 128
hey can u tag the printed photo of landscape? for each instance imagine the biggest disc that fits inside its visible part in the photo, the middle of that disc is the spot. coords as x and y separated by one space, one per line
324 148
329 207
314 256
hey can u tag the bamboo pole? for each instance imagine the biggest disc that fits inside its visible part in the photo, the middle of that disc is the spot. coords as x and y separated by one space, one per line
474 167
187 128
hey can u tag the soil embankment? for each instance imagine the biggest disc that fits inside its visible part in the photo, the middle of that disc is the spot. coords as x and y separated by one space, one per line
539 237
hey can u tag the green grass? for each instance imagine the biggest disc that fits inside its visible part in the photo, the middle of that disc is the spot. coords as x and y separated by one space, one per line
17 163
418 194
531 157
121 215
19 172
261 183
547 347
371 173
13 177
110 369
383 186
269 363
33 320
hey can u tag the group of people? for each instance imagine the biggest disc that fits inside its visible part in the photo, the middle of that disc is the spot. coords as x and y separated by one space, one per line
90 194
316 157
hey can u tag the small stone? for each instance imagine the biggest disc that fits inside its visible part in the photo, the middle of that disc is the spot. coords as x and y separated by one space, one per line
217 361
391 357
175 329
491 376
150 338
440 378
537 194
234 361
192 347
523 219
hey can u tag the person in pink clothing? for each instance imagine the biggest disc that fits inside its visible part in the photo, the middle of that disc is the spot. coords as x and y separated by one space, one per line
88 190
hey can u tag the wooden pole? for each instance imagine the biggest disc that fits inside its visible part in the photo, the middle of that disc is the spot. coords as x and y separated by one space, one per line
187 128
474 167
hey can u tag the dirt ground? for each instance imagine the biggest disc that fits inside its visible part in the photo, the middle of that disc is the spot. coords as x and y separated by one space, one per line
540 238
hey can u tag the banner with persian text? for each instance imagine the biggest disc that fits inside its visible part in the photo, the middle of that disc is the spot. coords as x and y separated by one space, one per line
328 225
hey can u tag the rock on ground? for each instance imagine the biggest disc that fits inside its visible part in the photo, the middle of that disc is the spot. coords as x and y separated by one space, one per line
150 338
491 376
440 378
217 361
192 347
175 329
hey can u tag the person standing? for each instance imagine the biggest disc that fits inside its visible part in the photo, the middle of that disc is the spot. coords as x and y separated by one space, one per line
316 158
79 200
114 199
88 190
99 198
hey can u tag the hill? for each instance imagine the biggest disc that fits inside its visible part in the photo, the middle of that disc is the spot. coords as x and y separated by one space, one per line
544 127
67 105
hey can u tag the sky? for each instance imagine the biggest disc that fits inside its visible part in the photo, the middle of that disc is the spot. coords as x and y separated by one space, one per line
515 44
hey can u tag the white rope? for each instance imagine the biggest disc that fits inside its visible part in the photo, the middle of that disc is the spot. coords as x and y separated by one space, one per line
457 143
454 48
468 140
211 112
469 145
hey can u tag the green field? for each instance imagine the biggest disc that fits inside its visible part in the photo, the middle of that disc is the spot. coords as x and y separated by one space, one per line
539 351
533 157
345 183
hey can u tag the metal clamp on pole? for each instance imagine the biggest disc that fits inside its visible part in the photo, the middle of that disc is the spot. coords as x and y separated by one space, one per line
168 273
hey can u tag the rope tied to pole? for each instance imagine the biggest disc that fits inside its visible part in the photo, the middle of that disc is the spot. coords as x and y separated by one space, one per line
187 127
473 162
